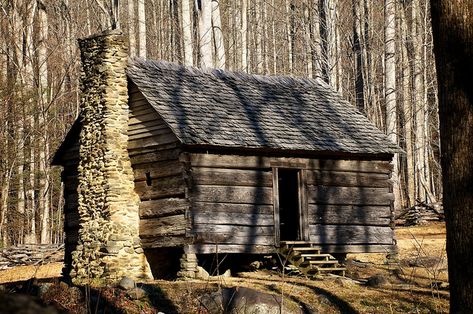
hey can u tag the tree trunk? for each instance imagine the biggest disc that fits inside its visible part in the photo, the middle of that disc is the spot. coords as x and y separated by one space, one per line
205 34
452 23
258 37
307 42
131 28
4 205
390 89
244 35
142 28
317 40
408 112
43 201
30 193
290 35
187 32
218 36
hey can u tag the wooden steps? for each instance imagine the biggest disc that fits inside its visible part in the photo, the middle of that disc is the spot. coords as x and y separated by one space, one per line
305 258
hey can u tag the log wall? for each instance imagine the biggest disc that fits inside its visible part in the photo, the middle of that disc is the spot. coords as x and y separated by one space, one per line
232 205
159 175
349 203
70 161
350 206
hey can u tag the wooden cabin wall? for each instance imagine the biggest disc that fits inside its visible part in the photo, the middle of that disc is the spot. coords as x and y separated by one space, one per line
159 175
70 161
231 203
349 203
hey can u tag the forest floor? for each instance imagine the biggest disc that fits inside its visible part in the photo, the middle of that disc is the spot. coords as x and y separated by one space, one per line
416 283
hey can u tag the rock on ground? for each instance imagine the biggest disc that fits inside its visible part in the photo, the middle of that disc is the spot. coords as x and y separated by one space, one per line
126 283
242 300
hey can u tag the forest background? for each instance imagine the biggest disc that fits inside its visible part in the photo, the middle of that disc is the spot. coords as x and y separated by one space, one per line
377 54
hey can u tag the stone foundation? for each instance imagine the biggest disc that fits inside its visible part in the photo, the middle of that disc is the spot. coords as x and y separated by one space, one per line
188 263
109 244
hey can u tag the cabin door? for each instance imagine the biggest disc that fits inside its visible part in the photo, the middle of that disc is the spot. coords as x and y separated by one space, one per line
290 192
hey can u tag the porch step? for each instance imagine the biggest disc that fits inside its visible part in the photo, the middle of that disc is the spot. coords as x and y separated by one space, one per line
305 258
316 255
306 249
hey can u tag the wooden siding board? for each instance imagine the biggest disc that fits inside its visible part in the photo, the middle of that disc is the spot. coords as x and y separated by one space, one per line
228 238
157 140
231 177
350 234
158 170
163 226
153 156
348 195
163 207
230 248
164 241
347 179
348 214
232 208
240 219
260 162
232 194
240 231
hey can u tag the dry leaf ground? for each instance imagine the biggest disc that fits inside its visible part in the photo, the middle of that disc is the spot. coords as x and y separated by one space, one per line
416 283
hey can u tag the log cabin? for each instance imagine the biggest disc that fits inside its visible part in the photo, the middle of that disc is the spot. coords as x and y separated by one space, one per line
173 159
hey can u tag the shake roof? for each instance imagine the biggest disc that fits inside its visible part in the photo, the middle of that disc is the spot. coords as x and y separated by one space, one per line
221 108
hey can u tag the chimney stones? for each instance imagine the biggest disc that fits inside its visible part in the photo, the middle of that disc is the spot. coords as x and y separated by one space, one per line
109 244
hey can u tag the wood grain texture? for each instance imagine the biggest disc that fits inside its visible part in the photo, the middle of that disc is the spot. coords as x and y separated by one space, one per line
232 194
164 241
350 214
231 177
158 170
240 231
163 207
155 155
230 248
349 195
349 234
223 218
260 162
345 178
170 187
232 208
170 225
228 238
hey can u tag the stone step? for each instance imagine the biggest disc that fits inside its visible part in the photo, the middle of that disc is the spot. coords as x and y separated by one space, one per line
329 269
310 256
323 262
306 249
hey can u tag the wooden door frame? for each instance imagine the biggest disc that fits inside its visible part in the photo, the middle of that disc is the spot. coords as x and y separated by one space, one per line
302 196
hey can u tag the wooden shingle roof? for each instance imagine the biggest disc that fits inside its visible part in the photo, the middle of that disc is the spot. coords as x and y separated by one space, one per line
226 109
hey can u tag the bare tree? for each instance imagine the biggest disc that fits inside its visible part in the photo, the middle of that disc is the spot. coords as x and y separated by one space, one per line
452 23
390 89
220 60
142 29
205 33
187 32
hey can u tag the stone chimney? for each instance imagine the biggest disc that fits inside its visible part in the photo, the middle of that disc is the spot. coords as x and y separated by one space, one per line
109 244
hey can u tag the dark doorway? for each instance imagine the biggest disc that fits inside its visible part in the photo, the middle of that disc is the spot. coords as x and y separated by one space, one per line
289 204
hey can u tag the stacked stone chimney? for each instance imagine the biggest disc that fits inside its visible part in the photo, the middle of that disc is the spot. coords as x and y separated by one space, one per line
109 244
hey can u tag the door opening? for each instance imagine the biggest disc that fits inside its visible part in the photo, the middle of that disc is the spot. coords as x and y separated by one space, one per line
289 206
